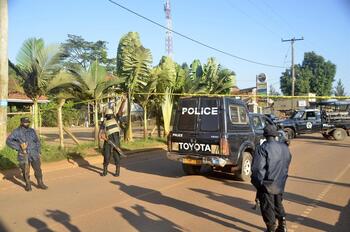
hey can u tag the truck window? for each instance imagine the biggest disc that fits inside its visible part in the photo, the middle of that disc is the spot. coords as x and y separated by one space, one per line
310 115
258 124
238 114
298 115
186 121
209 120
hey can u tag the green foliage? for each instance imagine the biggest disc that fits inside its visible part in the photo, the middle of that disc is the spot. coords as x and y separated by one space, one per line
14 121
81 53
8 158
143 144
70 114
314 75
339 89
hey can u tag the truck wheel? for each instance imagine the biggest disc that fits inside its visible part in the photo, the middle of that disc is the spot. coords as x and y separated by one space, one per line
339 134
290 133
191 169
246 167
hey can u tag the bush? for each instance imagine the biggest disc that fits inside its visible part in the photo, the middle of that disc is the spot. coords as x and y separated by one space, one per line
70 114
8 158
14 121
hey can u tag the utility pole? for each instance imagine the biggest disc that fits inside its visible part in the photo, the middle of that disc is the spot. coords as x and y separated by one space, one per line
169 25
292 40
3 71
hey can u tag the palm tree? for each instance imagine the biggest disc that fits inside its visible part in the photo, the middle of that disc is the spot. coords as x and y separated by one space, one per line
133 64
37 64
63 86
92 84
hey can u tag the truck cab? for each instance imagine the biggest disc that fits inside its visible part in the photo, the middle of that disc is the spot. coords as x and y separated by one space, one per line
302 122
212 131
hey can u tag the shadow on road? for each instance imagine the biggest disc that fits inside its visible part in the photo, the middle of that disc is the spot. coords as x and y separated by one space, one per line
156 197
58 216
305 179
331 144
82 162
145 220
38 225
246 205
62 218
156 164
343 223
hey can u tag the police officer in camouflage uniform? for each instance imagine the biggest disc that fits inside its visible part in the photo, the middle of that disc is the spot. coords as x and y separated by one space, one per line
26 142
110 131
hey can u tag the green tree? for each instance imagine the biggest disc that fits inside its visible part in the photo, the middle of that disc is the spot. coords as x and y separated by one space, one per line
339 89
133 64
315 75
79 52
92 84
37 64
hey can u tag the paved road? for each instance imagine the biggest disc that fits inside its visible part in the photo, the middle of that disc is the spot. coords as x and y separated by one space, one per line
153 195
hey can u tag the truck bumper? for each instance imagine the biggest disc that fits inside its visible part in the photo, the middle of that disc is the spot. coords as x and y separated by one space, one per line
198 159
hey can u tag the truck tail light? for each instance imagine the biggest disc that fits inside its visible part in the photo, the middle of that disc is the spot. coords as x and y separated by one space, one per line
225 147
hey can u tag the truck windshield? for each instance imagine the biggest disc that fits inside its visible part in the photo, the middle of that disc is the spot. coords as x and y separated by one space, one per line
297 115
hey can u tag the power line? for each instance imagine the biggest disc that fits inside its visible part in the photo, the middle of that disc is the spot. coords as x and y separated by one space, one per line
194 40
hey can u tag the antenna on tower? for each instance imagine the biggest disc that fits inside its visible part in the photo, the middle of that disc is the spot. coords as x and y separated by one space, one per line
169 34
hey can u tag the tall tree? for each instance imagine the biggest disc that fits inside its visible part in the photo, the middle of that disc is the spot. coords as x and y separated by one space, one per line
314 75
3 70
79 52
133 64
93 84
339 89
37 64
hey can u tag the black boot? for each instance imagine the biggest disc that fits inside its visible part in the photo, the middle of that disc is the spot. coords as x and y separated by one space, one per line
41 184
271 228
282 225
105 170
117 170
28 186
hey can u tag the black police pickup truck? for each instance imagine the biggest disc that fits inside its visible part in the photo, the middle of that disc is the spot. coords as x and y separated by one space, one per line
332 120
213 131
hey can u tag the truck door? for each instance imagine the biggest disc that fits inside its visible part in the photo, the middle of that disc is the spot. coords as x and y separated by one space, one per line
308 123
239 129
258 125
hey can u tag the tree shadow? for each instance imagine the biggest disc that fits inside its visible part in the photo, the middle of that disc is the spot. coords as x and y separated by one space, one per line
305 179
82 162
246 205
168 168
62 218
38 225
331 144
145 220
343 223
156 197
3 228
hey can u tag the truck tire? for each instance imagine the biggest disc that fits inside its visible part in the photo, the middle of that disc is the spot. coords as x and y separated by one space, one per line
290 133
245 169
339 134
191 169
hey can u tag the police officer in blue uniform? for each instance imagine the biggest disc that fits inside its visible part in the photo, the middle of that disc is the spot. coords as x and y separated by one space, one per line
269 175
26 142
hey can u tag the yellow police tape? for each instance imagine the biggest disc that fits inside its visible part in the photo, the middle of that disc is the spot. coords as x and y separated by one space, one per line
211 95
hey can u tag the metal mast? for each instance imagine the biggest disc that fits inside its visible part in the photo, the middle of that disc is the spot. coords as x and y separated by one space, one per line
169 34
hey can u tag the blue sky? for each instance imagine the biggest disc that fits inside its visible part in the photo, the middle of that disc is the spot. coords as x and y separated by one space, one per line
248 28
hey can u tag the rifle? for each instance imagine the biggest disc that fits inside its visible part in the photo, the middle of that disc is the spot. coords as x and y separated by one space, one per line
26 160
115 147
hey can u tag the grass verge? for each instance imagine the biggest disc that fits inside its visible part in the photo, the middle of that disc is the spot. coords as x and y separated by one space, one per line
51 153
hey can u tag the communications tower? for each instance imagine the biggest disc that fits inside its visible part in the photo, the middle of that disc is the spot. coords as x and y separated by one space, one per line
169 25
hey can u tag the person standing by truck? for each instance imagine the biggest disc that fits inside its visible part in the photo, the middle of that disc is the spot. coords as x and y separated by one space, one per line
26 142
269 175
